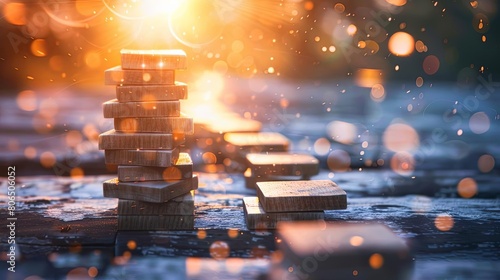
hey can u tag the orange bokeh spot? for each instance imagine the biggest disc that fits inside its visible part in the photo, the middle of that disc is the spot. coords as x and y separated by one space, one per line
219 250
15 13
39 47
26 100
486 163
376 261
467 187
401 44
431 64
444 222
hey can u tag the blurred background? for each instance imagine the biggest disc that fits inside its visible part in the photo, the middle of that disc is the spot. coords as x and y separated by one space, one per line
403 85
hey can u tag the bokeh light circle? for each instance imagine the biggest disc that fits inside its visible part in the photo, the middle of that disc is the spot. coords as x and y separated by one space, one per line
401 44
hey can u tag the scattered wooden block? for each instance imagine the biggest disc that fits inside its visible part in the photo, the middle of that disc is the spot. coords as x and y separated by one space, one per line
179 125
296 196
153 59
113 140
181 205
182 169
257 218
115 109
360 251
282 163
119 76
152 191
161 158
257 142
156 222
127 93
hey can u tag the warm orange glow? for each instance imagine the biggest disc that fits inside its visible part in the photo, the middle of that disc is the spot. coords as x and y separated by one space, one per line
76 173
401 44
232 233
73 138
131 245
39 47
351 29
219 250
400 137
339 161
356 241
368 77
376 261
92 60
47 159
486 163
420 46
419 81
467 187
93 271
431 65
396 2
339 7
403 163
377 93
321 146
26 100
444 222
201 234
342 132
30 152
15 13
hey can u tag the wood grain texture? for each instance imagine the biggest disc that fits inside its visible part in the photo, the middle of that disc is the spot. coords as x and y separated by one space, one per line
143 109
294 196
257 218
282 163
119 76
155 222
153 59
126 93
160 158
373 250
257 142
182 169
152 191
181 205
113 140
179 125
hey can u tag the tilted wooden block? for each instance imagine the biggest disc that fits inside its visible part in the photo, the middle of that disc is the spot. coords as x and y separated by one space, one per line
161 158
143 109
257 218
181 205
295 196
372 251
180 125
113 140
119 76
282 163
126 93
155 222
256 142
182 169
152 191
153 59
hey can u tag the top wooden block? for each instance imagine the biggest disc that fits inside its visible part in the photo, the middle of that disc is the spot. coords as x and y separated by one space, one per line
258 142
153 59
296 196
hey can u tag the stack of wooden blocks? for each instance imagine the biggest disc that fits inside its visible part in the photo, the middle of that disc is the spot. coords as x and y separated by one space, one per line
155 184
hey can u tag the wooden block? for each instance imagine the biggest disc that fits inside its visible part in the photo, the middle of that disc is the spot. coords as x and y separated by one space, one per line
257 218
152 191
256 142
182 169
155 222
372 251
143 109
153 59
251 181
119 76
229 123
282 163
178 125
296 196
161 158
113 140
127 93
181 205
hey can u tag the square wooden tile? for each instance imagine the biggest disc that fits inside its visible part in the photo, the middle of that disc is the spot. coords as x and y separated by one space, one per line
127 93
151 191
143 109
372 250
178 125
160 158
181 205
182 169
257 218
113 140
155 222
119 76
296 196
257 142
153 59
283 163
